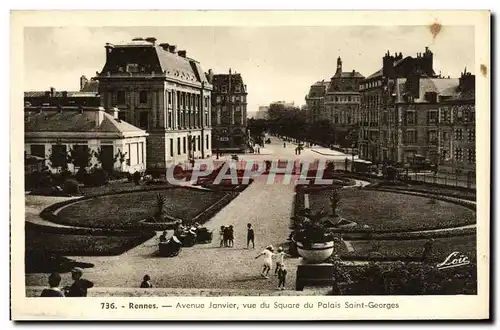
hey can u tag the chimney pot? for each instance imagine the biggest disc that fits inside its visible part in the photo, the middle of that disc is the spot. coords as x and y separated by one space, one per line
164 46
172 48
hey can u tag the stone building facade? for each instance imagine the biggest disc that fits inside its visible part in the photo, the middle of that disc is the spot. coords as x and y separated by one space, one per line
229 112
58 129
408 110
336 101
342 101
163 91
378 139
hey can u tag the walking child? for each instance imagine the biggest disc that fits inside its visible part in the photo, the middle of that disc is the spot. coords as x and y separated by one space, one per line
282 277
250 236
280 256
268 260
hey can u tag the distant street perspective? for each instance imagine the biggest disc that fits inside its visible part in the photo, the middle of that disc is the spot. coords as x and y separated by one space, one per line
138 182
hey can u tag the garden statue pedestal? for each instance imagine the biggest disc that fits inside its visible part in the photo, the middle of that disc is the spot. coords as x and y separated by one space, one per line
313 275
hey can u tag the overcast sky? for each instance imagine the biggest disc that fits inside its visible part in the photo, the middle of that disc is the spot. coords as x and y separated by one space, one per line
276 63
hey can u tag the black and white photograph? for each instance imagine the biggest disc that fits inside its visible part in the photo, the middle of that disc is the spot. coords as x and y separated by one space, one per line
338 163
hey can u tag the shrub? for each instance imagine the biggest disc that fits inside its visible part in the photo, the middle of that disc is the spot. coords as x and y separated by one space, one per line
71 187
137 178
98 177
82 175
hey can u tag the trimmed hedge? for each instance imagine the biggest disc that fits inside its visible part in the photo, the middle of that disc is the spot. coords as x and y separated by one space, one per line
210 212
48 212
408 235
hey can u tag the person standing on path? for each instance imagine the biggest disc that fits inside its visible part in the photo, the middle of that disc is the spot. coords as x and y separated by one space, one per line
282 277
146 282
53 291
268 260
250 236
230 236
221 234
80 286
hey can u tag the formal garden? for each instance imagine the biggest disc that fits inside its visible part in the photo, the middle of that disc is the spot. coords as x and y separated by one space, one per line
387 237
112 218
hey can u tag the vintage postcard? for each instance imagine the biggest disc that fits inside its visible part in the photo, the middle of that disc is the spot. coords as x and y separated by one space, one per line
260 165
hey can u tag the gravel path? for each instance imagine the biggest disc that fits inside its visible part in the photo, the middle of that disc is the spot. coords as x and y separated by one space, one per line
267 207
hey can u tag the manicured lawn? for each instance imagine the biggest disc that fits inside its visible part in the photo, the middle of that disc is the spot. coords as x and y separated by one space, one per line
442 247
80 245
44 250
385 211
125 210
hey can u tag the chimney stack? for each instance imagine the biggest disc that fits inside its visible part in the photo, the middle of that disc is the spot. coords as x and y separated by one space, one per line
99 116
52 92
172 49
182 53
114 112
138 39
151 40
109 47
164 46
210 76
83 82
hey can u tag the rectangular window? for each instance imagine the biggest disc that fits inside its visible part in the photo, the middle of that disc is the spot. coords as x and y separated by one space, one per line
433 117
199 142
459 154
471 156
458 134
38 150
143 97
218 100
445 136
224 89
58 155
169 95
237 88
132 67
336 120
410 117
411 136
178 145
171 147
471 135
184 145
169 124
128 153
120 97
144 120
432 137
206 137
445 115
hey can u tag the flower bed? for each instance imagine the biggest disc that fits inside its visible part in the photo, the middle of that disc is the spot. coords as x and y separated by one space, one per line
392 212
359 236
401 249
124 210
406 279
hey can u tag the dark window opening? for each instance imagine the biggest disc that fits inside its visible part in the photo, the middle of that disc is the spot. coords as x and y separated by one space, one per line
120 97
144 120
143 97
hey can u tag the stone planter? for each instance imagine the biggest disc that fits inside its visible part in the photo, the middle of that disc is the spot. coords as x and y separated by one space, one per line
316 252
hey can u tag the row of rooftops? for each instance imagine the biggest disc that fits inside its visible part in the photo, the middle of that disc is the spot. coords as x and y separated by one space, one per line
76 120
462 88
